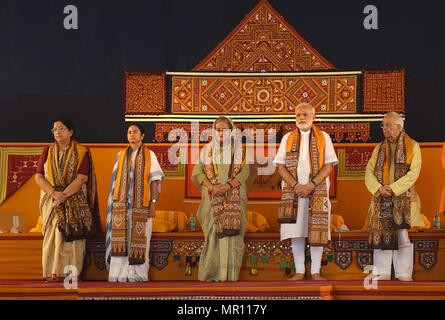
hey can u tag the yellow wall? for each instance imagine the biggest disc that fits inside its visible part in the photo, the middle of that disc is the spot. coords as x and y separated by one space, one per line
352 197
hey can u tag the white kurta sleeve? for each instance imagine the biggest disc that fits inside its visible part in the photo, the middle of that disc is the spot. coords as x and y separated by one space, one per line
280 158
329 156
155 169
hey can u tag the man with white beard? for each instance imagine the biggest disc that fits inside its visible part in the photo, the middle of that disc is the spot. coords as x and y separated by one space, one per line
305 158
390 175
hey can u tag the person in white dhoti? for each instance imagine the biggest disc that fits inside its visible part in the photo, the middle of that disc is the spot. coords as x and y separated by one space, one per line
134 191
395 207
304 160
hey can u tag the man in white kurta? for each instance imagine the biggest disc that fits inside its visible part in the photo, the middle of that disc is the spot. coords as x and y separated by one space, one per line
298 232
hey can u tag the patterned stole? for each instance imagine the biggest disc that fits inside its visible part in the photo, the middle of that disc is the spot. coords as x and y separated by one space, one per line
318 215
391 213
140 202
74 217
226 209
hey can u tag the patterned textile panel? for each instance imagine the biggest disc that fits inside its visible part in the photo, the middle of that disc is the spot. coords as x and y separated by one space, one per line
162 131
263 41
17 165
169 168
251 130
383 91
145 93
263 95
184 132
340 131
352 161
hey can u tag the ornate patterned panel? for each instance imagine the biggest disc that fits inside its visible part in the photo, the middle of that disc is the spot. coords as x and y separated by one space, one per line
17 165
339 131
427 252
163 129
343 259
352 161
145 93
159 251
384 91
263 95
425 249
257 251
170 169
263 41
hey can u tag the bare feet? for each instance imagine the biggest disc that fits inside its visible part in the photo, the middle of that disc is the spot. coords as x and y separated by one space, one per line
317 277
297 277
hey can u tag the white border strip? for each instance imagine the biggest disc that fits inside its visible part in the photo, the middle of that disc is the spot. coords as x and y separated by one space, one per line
264 74
287 120
252 116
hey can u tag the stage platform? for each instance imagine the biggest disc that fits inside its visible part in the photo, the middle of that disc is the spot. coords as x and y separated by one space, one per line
174 259
240 290
174 256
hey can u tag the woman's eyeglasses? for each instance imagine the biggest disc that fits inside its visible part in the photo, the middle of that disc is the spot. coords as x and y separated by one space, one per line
61 129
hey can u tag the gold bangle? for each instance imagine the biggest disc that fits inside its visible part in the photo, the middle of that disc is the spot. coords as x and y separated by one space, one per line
52 192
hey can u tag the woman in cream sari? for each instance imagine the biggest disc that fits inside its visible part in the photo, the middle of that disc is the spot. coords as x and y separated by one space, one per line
221 175
68 202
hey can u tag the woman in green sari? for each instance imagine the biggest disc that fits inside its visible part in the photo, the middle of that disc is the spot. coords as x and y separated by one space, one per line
221 176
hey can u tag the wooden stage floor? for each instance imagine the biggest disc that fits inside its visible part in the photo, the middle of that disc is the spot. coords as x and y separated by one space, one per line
240 290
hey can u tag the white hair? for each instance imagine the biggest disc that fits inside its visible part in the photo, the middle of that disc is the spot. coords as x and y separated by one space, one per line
305 104
398 119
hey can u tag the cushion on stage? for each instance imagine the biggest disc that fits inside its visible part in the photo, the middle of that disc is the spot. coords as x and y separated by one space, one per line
38 227
426 225
256 222
178 218
163 225
251 228
337 221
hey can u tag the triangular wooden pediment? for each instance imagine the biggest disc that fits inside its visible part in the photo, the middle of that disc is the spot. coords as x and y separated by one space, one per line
263 42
